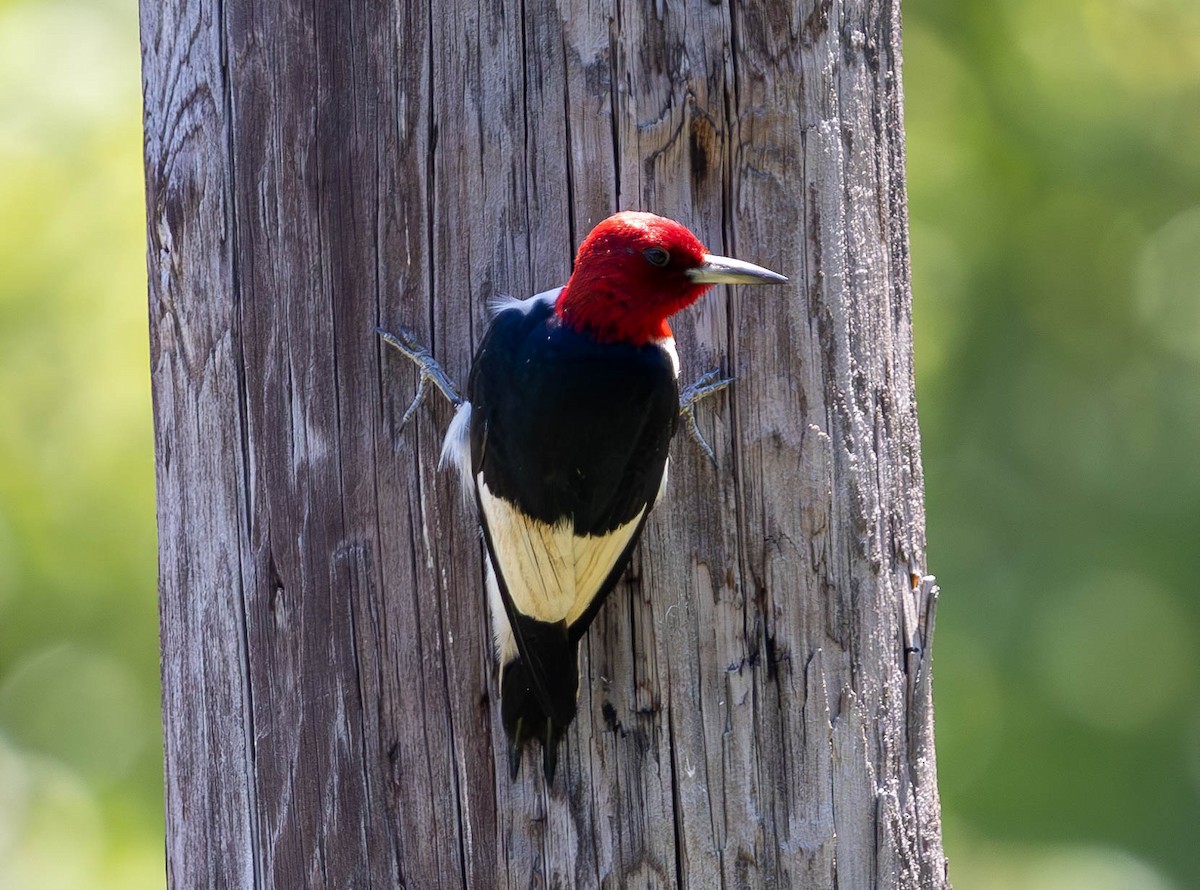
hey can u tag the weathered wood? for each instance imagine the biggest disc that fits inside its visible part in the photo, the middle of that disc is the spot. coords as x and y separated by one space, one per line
755 707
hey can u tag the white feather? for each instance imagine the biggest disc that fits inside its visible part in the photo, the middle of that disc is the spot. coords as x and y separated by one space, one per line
502 302
667 344
502 634
662 485
456 448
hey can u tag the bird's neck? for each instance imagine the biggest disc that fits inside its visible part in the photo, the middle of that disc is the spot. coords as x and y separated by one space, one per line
613 315
608 322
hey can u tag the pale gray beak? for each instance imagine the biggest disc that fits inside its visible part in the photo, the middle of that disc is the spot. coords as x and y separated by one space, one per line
727 270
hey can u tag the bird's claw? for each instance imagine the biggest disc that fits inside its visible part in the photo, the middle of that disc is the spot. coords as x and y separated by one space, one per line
708 383
428 369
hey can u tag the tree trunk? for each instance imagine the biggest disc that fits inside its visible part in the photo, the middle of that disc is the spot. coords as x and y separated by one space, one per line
755 704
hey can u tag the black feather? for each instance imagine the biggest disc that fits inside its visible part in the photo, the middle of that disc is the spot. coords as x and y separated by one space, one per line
564 426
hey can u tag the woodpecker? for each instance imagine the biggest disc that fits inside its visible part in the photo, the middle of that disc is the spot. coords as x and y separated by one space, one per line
562 444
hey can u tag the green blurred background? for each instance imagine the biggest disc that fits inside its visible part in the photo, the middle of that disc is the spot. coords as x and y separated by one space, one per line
1054 177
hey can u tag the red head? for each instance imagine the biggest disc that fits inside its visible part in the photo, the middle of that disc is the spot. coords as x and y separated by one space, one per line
635 270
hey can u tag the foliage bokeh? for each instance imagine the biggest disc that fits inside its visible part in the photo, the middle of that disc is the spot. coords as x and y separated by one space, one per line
1054 179
80 756
1054 162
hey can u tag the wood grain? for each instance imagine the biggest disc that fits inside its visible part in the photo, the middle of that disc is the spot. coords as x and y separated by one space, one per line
755 708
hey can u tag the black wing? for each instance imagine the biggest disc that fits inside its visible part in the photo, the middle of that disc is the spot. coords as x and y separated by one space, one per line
569 441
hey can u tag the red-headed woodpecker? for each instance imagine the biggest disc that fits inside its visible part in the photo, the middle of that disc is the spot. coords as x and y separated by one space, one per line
562 444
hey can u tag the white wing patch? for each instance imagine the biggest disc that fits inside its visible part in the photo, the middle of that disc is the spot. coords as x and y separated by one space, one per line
551 573
594 560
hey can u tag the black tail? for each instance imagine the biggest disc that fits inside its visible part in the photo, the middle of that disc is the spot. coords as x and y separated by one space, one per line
543 714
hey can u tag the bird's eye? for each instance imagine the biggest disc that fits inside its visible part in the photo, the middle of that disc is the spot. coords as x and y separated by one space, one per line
656 256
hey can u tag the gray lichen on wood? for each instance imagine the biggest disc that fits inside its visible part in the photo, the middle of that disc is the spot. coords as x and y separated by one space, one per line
755 707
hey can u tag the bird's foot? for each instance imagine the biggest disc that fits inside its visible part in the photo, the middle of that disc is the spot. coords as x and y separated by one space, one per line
704 386
427 367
